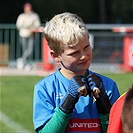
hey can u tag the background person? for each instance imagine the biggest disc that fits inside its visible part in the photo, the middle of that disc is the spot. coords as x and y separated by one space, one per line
64 101
26 23
115 118
127 112
116 124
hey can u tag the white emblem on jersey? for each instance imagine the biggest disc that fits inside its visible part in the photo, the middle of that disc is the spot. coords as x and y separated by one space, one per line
59 95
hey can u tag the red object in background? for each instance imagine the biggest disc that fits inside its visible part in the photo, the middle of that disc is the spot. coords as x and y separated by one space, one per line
46 56
46 63
123 29
126 53
127 42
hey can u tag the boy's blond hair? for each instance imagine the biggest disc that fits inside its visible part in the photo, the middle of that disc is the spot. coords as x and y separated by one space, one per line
64 29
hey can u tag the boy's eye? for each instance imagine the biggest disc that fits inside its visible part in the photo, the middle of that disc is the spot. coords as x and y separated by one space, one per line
73 53
76 52
86 46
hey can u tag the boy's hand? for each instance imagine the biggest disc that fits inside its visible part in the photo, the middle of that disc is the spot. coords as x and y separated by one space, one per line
77 87
96 86
98 91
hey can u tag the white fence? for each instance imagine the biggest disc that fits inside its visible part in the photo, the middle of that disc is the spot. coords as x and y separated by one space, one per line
108 46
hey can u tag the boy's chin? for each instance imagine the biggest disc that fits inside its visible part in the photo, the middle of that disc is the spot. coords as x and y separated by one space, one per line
82 71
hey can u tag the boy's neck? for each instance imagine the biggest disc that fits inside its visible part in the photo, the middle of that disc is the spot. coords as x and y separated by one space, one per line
69 74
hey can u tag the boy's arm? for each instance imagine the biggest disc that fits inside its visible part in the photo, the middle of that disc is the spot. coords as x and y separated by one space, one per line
104 119
101 98
62 114
57 124
104 110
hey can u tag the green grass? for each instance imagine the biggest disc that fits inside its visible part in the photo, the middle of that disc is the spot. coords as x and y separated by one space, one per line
5 129
17 97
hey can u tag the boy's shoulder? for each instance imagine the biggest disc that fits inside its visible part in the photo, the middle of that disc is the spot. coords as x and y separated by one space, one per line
55 77
53 81
48 78
46 82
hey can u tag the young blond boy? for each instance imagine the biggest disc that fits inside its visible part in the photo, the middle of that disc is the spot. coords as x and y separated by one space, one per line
63 101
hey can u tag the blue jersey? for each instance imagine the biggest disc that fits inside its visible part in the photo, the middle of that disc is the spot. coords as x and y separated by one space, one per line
48 94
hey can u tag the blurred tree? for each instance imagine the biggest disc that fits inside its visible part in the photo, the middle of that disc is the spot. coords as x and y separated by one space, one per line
102 11
62 5
91 11
120 11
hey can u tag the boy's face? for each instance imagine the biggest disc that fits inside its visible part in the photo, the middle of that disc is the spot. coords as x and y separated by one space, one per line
78 58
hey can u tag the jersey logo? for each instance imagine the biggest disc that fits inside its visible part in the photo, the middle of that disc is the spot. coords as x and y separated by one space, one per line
83 125
59 96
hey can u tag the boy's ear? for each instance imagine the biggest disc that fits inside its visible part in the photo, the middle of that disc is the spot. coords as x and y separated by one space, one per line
55 56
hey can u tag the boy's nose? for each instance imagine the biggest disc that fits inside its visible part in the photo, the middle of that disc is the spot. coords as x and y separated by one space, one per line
83 55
